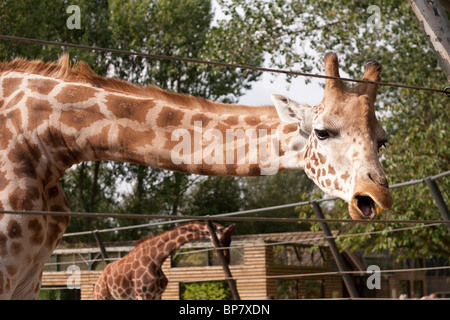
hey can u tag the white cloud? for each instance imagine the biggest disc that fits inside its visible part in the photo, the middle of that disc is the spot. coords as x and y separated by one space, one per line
297 90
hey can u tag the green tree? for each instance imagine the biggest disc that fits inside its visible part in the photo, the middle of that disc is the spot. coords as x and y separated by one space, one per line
167 27
217 290
417 122
215 195
172 28
88 186
267 191
46 19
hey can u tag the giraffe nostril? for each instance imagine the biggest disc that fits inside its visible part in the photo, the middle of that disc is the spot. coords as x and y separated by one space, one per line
381 180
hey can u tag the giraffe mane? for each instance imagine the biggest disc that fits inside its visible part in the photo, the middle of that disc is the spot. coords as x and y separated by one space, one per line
186 226
80 72
146 238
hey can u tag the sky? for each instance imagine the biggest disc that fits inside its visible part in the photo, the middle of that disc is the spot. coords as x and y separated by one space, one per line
276 84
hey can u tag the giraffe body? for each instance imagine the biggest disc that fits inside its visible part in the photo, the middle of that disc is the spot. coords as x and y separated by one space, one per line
53 116
138 275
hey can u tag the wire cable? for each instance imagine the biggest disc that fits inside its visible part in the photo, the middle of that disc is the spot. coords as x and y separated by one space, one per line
446 90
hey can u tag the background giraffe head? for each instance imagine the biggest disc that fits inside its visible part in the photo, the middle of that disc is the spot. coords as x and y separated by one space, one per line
224 236
339 140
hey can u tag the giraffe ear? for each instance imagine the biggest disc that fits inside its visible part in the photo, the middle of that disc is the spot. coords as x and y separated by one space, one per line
291 111
229 229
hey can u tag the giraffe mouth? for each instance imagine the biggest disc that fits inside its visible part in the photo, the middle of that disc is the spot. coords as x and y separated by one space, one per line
363 207
366 206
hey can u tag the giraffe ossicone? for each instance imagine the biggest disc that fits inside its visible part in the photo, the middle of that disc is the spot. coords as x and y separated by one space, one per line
138 275
54 115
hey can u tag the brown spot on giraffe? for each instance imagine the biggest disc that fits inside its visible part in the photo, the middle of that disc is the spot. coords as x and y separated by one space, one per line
129 108
53 234
53 192
255 170
231 120
82 118
22 199
345 176
169 117
336 184
3 180
322 158
11 269
13 229
17 248
331 170
314 159
252 120
290 128
26 158
58 208
42 86
3 245
74 93
13 117
11 85
129 146
7 134
231 169
204 119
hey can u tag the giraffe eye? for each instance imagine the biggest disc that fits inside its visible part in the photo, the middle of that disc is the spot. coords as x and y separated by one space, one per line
322 134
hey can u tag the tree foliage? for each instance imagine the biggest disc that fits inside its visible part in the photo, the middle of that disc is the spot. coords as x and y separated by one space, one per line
165 27
417 122
217 290
282 33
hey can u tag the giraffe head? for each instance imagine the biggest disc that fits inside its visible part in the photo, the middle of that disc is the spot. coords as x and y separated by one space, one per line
338 140
224 236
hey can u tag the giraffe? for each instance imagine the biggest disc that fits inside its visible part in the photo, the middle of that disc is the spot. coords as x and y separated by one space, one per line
55 114
138 275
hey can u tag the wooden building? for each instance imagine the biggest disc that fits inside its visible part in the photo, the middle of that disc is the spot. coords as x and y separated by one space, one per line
277 265
263 265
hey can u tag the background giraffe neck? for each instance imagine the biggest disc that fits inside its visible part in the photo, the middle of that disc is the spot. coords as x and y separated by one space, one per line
172 240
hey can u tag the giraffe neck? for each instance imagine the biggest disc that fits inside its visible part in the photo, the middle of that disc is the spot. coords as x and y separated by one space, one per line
161 246
79 122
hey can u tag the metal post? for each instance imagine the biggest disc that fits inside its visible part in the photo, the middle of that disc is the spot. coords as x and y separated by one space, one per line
101 246
434 23
439 200
223 261
335 252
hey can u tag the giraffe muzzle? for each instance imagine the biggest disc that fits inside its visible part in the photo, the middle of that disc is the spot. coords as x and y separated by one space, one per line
365 200
364 207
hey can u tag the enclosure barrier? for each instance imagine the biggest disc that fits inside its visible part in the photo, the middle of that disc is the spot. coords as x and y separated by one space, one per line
430 181
233 216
